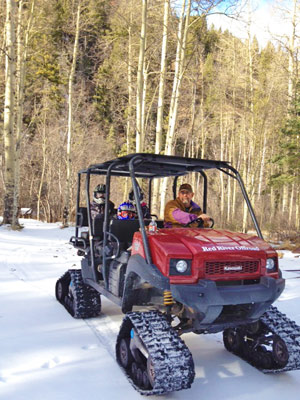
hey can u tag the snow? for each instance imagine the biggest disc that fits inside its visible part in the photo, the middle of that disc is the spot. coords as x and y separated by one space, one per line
46 354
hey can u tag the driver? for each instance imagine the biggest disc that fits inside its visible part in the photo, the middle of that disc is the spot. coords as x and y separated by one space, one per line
183 210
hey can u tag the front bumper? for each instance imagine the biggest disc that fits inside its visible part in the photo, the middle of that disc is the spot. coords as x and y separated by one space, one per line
208 301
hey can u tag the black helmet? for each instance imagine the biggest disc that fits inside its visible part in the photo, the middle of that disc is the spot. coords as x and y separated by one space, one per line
99 194
101 188
140 194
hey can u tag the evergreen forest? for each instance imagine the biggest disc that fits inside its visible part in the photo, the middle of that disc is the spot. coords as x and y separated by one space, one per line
85 81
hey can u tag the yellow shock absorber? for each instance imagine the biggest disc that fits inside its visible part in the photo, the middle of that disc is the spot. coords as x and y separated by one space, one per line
168 299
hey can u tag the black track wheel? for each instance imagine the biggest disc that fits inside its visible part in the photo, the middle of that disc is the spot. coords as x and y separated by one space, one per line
146 382
134 368
267 360
232 340
262 358
280 352
124 353
254 328
139 377
62 287
150 371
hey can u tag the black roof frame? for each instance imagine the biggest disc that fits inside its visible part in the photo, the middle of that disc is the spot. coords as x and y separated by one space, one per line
150 166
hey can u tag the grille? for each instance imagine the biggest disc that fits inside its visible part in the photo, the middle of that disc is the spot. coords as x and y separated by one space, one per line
231 267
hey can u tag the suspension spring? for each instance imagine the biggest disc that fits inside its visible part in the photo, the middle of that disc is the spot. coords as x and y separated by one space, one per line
168 299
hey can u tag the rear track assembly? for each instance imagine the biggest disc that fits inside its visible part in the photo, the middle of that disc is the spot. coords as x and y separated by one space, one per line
271 345
80 300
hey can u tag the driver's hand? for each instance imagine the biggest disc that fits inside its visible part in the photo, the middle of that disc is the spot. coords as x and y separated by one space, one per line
207 220
205 217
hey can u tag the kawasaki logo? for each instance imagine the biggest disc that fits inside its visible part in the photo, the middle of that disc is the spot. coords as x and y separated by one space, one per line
235 268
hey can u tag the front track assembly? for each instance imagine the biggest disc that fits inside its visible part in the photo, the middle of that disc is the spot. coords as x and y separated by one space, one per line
270 345
154 358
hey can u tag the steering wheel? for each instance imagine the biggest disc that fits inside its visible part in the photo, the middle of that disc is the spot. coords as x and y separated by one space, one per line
111 251
200 222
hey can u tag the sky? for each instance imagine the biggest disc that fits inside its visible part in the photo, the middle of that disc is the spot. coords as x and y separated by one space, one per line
269 20
46 354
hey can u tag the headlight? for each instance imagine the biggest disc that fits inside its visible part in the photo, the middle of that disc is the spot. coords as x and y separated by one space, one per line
271 264
180 267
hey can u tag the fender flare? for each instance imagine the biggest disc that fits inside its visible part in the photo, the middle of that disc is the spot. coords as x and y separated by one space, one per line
138 270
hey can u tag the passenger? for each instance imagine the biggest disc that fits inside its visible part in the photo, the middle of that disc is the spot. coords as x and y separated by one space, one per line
145 209
183 210
98 203
126 210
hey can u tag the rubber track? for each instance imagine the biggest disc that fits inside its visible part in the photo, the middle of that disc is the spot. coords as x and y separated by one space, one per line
289 332
87 302
171 358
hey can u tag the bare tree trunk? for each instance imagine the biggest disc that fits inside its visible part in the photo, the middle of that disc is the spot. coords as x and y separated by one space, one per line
44 153
8 128
129 127
297 213
161 97
291 68
22 47
222 136
143 124
262 166
250 148
183 26
162 80
129 131
140 81
291 204
179 71
70 121
291 90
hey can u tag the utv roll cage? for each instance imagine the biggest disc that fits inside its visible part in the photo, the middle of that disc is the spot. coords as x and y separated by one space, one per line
149 166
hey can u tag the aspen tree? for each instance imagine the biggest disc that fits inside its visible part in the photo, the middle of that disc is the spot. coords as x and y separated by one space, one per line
70 120
129 125
22 50
9 102
183 26
291 86
249 148
140 81
161 98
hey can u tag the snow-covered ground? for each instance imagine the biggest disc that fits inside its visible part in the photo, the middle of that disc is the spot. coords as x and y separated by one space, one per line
46 354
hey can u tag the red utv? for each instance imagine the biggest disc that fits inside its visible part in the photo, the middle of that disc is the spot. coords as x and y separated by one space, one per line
176 280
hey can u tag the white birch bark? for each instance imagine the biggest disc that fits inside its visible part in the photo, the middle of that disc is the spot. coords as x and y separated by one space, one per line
162 79
8 126
140 81
22 48
291 67
70 121
129 127
160 103
43 172
291 89
249 148
183 26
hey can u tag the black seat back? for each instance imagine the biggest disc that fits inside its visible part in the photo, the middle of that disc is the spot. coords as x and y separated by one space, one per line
124 229
81 217
98 226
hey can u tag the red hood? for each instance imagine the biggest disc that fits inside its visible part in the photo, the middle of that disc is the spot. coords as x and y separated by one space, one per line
210 250
211 240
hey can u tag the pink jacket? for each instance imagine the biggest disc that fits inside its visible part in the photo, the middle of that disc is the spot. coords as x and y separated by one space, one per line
176 214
